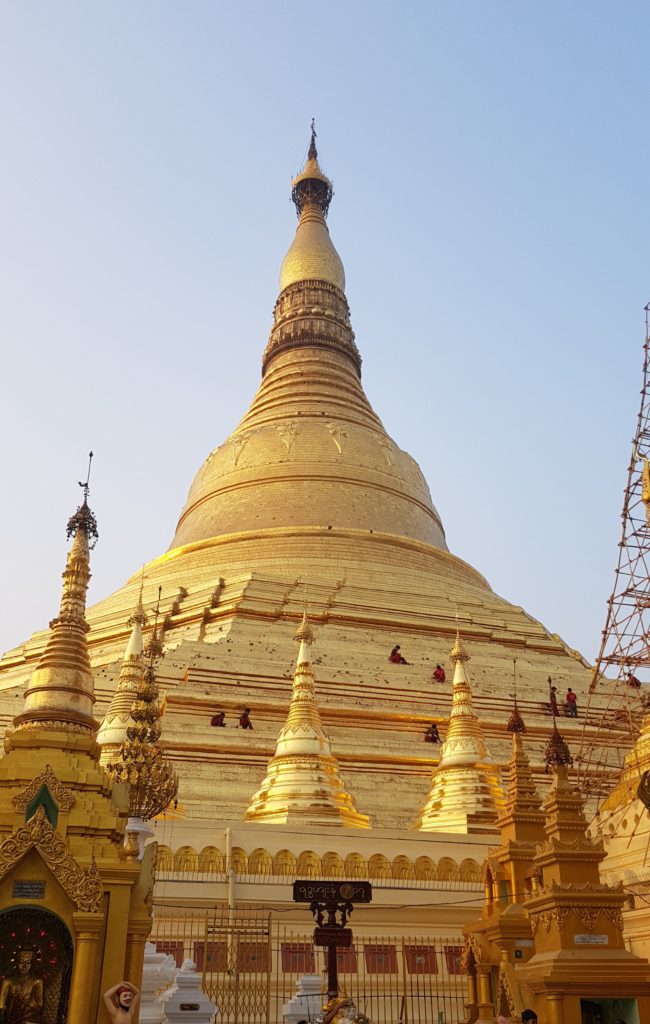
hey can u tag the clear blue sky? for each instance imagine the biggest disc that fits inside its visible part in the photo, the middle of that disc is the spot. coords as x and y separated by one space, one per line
490 163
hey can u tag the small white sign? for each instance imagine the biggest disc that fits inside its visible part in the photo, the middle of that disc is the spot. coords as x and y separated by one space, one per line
591 940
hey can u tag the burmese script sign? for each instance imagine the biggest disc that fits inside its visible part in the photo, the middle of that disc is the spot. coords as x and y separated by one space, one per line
332 935
591 940
332 892
28 889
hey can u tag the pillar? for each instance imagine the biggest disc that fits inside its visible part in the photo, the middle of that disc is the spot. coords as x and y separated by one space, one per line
485 1005
88 930
555 1014
136 940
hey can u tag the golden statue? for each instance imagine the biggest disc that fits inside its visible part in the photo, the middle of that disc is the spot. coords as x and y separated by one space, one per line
341 1010
21 994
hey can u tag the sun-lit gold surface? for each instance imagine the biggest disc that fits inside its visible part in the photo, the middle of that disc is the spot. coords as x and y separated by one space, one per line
303 782
61 820
309 488
139 760
61 689
113 729
466 793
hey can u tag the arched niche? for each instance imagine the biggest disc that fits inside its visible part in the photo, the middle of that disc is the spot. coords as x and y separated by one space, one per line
378 866
284 864
36 951
186 859
210 860
333 866
355 866
402 867
448 870
164 859
309 865
239 860
470 870
425 869
260 862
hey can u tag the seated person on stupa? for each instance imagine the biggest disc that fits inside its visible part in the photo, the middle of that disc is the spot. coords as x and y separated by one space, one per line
219 718
396 657
245 719
632 679
439 674
432 735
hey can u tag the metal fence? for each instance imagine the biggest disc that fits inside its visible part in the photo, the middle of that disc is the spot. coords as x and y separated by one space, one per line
251 963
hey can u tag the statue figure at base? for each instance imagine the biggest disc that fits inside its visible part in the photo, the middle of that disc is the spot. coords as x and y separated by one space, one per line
121 1001
341 1010
21 994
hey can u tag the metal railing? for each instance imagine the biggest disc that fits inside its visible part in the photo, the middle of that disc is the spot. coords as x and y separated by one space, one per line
251 962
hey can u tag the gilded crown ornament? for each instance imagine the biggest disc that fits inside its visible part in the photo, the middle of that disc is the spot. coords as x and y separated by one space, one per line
311 185
557 752
153 784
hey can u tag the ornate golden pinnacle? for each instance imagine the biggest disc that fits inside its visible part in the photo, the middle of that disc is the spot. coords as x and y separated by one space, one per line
304 632
153 783
458 652
557 751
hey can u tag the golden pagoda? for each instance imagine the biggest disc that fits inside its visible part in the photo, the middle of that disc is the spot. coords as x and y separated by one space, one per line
310 487
302 781
74 908
466 793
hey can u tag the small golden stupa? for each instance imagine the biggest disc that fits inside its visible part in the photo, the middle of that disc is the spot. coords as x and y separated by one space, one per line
303 781
466 793
113 730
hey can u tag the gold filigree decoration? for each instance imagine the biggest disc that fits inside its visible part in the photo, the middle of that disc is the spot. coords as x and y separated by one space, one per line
615 915
471 946
588 915
83 887
63 796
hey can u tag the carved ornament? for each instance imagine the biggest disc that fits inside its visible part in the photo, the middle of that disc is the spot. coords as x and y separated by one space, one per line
83 887
63 796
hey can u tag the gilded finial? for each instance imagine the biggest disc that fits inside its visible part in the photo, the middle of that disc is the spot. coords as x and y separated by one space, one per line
313 152
557 751
154 648
515 722
304 632
311 187
139 615
458 652
84 519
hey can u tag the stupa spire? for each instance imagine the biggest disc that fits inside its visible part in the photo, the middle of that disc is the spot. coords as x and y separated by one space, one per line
113 730
61 692
465 794
140 760
302 781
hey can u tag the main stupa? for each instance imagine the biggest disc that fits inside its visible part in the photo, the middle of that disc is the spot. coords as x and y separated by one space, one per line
311 501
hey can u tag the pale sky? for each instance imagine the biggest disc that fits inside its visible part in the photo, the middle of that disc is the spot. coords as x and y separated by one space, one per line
490 164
